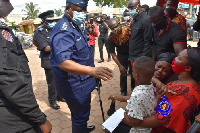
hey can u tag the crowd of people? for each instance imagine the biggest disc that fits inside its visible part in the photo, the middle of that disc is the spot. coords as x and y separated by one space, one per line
148 43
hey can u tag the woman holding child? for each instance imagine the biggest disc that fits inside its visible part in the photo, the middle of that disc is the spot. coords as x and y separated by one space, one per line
183 103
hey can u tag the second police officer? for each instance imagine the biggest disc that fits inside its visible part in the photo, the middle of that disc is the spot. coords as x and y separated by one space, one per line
42 37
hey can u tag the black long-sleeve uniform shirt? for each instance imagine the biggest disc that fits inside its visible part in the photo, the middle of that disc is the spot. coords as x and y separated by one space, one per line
18 107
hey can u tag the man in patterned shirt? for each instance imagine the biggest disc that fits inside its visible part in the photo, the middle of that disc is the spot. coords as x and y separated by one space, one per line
179 19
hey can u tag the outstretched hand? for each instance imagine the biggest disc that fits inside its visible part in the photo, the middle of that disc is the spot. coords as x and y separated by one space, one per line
103 73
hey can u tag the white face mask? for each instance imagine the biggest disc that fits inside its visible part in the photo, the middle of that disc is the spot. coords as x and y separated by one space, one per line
79 17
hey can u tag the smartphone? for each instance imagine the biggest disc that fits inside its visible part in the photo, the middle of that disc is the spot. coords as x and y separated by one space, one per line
91 21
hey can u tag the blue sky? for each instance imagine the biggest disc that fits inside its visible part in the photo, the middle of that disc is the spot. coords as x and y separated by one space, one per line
51 5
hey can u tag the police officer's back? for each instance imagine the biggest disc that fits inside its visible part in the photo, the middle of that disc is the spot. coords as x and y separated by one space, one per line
19 109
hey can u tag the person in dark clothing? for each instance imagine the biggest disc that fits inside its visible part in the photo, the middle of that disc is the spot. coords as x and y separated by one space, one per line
42 38
20 112
140 42
121 59
145 8
168 36
103 37
196 26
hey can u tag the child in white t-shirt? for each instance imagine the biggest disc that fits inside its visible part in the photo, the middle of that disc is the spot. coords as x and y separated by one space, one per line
143 100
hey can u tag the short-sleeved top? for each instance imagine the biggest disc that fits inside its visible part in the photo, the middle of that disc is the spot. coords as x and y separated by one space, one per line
140 42
70 43
183 106
180 20
142 103
172 35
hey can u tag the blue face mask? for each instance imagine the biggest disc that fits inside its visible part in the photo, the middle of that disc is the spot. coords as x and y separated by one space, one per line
78 17
126 18
51 25
133 12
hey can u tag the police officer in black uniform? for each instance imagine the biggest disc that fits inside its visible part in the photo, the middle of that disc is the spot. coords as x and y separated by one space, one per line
19 111
103 37
42 38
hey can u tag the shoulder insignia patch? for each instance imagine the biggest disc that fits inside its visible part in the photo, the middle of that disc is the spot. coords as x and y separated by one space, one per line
40 29
64 26
7 35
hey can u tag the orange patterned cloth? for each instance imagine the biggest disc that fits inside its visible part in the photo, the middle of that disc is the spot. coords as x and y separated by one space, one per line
184 104
122 37
180 20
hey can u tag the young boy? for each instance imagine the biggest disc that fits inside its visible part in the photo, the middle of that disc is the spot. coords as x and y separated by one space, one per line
143 101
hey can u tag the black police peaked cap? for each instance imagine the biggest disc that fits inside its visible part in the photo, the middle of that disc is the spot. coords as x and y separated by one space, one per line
47 14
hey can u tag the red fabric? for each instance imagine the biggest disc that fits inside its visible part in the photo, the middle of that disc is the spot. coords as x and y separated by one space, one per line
179 43
161 2
167 28
183 104
194 2
92 37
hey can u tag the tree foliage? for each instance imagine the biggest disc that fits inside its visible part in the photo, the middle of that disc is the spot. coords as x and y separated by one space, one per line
31 10
58 12
114 3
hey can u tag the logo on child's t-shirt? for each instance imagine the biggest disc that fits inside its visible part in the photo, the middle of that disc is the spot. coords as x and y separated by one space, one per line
164 107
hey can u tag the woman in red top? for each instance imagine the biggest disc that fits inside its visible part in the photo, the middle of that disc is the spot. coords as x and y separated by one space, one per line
184 103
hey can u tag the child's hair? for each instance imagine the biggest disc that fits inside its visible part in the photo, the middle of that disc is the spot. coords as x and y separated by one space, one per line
145 66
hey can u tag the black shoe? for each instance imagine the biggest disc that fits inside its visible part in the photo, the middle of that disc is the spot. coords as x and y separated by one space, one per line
111 110
55 106
61 99
100 61
109 59
90 129
124 93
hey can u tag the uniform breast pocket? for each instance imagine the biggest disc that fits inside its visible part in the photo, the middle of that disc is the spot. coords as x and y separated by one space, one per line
11 58
82 50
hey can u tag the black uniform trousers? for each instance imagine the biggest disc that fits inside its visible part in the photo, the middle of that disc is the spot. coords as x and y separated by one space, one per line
101 41
93 49
123 59
51 85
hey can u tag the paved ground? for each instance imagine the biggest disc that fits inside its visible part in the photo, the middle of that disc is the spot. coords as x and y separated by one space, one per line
60 119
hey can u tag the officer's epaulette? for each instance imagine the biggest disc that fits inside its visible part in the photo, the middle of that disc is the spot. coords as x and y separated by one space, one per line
64 26
3 25
41 28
